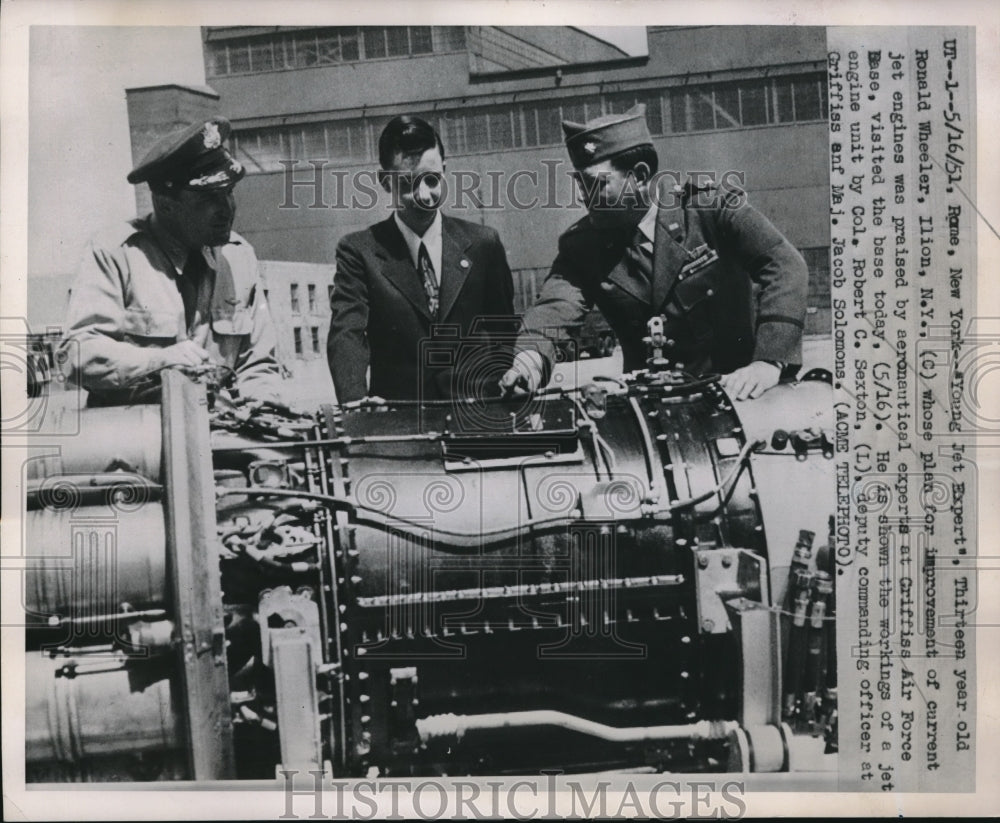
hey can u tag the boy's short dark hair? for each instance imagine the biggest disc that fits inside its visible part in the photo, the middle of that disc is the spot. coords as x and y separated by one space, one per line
407 134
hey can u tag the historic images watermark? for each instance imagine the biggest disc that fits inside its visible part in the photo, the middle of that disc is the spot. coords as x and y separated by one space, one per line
550 796
318 184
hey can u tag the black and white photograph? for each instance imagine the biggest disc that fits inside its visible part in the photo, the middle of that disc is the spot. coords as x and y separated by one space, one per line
445 411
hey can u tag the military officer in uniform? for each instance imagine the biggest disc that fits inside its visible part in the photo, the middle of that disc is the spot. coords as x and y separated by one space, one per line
177 288
691 254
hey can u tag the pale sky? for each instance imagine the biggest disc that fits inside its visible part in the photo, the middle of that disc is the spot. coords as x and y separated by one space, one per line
79 151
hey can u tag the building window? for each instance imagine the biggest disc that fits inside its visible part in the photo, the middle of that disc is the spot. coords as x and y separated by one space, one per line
327 46
311 291
329 293
314 333
421 40
673 110
448 38
753 104
713 107
297 334
295 298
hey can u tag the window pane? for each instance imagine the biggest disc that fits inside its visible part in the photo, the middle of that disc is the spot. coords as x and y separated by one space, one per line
399 41
619 103
349 43
449 38
549 129
315 339
678 111
311 290
306 53
530 126
340 141
314 142
239 57
475 132
284 53
298 340
574 111
218 63
501 134
329 49
262 56
420 40
702 110
453 134
293 143
807 106
259 150
294 295
593 108
783 98
753 98
727 107
374 42
361 149
654 117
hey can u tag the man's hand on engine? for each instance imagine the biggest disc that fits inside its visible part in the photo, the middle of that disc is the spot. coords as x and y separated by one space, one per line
525 376
186 354
750 382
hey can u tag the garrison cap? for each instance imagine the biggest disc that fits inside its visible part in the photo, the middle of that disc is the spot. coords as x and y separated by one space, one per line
606 136
191 158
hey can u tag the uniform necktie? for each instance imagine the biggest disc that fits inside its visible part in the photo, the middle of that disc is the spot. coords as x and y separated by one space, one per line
430 281
640 259
189 284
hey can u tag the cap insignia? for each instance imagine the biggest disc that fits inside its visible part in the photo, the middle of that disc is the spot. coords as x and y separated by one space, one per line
590 147
210 134
210 179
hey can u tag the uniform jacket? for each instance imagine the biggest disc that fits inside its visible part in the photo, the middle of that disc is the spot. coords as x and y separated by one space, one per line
380 317
714 322
125 303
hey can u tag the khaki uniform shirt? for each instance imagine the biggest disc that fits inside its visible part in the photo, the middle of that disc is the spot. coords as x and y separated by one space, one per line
125 303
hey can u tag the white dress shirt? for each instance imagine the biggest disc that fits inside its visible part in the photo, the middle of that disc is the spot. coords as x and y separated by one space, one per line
431 239
648 228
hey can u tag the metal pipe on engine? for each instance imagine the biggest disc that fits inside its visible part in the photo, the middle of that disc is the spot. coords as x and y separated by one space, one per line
457 725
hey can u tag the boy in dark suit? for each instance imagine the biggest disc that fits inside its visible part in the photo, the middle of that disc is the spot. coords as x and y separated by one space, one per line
418 298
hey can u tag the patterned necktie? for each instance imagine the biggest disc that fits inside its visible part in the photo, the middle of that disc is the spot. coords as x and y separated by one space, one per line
189 284
430 282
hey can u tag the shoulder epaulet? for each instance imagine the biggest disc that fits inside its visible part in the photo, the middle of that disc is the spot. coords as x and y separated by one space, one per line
711 193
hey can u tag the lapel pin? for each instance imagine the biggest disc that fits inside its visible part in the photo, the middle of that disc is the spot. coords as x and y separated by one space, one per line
464 263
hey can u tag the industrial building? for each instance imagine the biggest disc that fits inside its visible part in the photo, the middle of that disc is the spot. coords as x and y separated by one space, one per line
308 104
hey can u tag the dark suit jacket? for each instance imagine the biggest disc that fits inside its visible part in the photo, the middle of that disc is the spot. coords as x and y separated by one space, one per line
715 321
380 317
